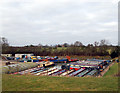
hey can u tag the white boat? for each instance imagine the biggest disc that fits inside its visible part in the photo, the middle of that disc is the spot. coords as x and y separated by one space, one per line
41 72
38 72
49 71
63 74
53 71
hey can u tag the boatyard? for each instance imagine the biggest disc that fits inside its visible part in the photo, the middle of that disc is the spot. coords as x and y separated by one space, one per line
54 66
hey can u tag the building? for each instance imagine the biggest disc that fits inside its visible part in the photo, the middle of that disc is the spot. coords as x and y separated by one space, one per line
6 55
21 55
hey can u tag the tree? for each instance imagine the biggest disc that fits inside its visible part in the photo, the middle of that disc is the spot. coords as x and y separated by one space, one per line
4 41
114 54
104 42
77 44
40 45
46 46
90 45
65 44
96 43
59 45
31 45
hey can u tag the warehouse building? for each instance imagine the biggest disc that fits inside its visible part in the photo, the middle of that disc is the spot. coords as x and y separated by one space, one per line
22 55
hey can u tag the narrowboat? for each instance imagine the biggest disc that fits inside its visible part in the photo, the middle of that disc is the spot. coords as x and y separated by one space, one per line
83 73
50 73
55 72
91 73
59 60
67 72
77 72
39 72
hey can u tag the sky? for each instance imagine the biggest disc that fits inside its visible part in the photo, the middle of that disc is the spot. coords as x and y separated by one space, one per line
26 22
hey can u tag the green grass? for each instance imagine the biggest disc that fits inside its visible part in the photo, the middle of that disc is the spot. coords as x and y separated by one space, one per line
60 48
44 83
112 71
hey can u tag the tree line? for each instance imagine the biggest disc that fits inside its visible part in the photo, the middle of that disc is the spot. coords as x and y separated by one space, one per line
102 48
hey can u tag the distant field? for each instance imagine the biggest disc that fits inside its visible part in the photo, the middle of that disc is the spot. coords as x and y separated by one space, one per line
45 83
60 48
91 57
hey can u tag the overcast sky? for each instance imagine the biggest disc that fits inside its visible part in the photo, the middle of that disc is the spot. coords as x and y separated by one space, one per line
25 22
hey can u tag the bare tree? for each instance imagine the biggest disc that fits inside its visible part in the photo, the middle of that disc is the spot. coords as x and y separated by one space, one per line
4 41
77 43
40 45
65 44
96 43
104 42
90 45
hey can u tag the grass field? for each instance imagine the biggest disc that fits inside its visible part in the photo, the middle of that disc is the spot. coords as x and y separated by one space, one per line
44 83
112 71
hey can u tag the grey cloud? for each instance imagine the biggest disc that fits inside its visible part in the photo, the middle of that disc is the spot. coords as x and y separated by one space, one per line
52 22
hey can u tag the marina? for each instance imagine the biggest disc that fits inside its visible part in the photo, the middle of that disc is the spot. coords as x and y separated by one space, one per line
86 68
